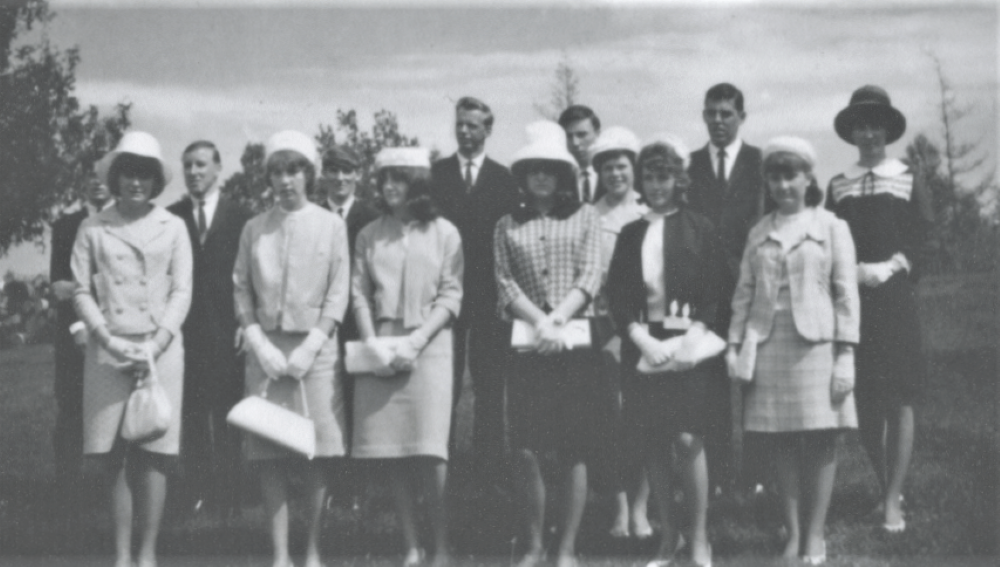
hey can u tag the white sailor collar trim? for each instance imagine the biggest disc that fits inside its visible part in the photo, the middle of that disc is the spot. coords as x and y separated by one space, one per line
890 167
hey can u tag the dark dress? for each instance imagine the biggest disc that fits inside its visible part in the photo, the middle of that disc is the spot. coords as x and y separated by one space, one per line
888 213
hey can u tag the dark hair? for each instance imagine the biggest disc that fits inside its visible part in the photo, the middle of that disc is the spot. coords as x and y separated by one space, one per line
788 165
566 197
659 157
473 103
203 144
726 91
576 113
142 166
603 157
293 162
419 202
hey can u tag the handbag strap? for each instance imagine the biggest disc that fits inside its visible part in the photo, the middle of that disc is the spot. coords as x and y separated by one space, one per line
302 393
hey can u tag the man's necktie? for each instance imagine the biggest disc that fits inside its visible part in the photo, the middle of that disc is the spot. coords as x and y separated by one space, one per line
468 176
340 211
586 187
721 174
202 223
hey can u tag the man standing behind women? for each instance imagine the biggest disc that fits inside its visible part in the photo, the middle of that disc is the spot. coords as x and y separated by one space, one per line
132 267
548 269
407 288
213 371
291 283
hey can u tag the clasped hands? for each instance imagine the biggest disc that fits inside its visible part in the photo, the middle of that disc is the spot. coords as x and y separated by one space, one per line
874 274
657 352
399 356
273 361
133 357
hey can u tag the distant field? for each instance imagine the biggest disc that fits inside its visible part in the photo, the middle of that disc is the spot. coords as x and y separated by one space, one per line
959 313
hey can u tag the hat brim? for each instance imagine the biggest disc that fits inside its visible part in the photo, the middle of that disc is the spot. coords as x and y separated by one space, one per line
103 166
872 113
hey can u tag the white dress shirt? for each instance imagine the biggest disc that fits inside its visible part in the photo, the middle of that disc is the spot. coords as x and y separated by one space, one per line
211 203
477 165
731 151
590 174
342 210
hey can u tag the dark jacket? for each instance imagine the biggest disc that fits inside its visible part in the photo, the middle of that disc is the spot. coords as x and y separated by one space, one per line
358 217
475 213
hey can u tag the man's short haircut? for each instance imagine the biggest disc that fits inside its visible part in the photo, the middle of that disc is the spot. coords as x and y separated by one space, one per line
576 113
197 145
726 91
469 103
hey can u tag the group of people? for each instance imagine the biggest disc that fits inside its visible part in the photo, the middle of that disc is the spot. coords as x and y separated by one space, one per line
563 284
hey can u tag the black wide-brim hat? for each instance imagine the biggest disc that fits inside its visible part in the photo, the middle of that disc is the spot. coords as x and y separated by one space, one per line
870 104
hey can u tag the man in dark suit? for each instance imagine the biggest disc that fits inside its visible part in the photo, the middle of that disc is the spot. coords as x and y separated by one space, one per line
213 367
473 192
70 338
582 127
728 188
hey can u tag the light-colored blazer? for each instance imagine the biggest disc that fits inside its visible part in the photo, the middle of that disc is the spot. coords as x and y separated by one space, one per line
822 277
292 269
404 272
133 276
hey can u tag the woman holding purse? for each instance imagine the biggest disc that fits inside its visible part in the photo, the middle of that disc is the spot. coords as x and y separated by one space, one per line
548 269
792 336
132 267
664 283
407 291
291 282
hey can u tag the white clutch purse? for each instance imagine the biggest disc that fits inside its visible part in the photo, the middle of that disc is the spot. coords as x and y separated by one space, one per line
280 425
575 334
361 358
687 347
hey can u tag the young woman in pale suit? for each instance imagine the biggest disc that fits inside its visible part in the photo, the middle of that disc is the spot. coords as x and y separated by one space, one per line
795 323
133 269
291 284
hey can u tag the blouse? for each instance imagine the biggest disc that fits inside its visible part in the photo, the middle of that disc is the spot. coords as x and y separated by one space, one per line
292 269
613 218
544 257
402 271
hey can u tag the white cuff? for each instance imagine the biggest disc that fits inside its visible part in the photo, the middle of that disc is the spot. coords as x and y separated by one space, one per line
76 327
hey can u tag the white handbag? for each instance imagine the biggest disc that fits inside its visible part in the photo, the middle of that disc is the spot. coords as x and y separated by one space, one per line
361 358
277 424
574 334
148 410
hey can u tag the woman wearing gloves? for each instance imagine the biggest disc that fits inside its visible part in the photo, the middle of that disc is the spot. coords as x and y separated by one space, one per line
663 283
888 210
792 335
132 268
407 290
548 269
291 287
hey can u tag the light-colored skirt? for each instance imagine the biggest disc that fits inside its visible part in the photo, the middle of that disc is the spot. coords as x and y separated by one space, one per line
791 384
323 392
107 389
407 414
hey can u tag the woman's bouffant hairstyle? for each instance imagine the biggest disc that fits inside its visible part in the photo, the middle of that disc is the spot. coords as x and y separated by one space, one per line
292 162
418 195
139 166
788 165
660 157
565 179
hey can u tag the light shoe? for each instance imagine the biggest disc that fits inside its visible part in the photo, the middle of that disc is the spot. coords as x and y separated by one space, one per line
896 528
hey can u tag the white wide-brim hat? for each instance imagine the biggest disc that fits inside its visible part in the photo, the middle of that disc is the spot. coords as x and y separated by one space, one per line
674 142
136 143
791 145
612 139
292 140
546 141
403 157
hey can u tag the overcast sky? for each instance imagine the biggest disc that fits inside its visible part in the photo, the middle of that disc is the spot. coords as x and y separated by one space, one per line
240 72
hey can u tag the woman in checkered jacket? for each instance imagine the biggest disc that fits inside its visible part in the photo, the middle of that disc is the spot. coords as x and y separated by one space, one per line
548 269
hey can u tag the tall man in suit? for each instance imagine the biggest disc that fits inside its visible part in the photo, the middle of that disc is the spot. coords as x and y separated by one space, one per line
213 367
582 127
473 192
70 338
728 188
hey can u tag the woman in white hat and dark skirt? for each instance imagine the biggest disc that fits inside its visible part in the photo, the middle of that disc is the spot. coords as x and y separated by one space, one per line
548 269
889 211
407 287
291 284
133 269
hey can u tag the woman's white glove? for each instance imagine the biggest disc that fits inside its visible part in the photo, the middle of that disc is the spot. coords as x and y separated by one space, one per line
548 338
407 351
874 274
384 353
652 350
732 359
302 357
270 358
842 383
684 358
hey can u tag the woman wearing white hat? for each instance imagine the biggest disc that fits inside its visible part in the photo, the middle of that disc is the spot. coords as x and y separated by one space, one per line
291 287
407 291
548 269
613 156
664 282
792 335
133 267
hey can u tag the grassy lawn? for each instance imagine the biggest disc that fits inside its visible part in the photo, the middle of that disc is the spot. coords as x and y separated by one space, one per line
951 496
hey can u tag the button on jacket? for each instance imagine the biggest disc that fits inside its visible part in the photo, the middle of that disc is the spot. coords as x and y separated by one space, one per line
292 269
133 276
822 279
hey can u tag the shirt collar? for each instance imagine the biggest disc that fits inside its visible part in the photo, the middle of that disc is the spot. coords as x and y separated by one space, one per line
477 160
889 167
346 206
731 150
211 197
651 215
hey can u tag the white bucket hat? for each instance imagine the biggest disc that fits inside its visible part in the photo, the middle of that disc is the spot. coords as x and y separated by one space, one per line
546 141
136 143
403 157
615 138
674 142
295 141
792 145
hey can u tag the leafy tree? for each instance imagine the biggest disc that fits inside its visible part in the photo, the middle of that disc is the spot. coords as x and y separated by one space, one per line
47 140
564 91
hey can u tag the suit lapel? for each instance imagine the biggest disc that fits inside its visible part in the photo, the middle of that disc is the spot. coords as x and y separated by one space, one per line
739 170
221 216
